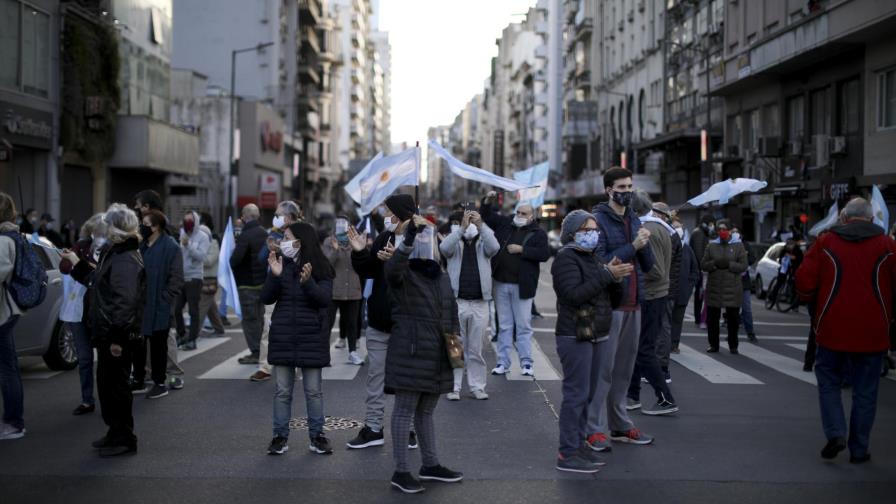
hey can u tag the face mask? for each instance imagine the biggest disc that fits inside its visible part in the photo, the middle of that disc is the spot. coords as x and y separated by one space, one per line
711 227
49 225
288 250
724 234
389 225
98 242
455 228
680 232
587 240
33 220
735 237
145 232
622 198
520 221
188 226
279 222
471 232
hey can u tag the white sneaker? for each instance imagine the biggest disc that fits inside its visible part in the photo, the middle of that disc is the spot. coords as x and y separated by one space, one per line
340 343
453 396
528 371
9 432
479 395
354 358
500 370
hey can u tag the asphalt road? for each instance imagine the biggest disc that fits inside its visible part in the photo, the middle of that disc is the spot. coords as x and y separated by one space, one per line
748 431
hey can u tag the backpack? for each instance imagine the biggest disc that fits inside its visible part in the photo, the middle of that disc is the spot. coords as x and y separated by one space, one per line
28 284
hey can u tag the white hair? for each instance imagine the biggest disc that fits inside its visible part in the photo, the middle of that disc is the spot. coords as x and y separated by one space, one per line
121 223
94 225
857 208
289 208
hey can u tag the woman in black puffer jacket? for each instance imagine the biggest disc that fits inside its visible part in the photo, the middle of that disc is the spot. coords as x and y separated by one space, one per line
584 288
417 366
300 282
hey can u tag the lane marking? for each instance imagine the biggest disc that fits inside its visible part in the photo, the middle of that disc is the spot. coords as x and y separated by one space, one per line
710 368
760 337
780 363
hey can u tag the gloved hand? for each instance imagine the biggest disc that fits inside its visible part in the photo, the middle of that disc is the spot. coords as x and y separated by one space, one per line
410 233
722 263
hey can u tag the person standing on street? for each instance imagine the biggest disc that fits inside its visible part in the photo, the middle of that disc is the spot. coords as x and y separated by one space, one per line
469 249
163 263
369 263
48 231
13 426
417 365
250 274
583 285
194 247
117 290
207 308
688 277
516 268
300 284
622 237
835 278
746 309
724 262
700 237
652 339
346 289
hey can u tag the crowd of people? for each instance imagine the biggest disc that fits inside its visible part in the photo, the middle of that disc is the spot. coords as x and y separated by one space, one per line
427 294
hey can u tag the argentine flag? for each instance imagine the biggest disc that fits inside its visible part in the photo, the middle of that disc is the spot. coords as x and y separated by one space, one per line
383 176
536 178
225 275
829 221
879 209
468 172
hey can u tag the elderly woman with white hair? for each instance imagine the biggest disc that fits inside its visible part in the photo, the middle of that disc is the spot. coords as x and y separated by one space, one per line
116 287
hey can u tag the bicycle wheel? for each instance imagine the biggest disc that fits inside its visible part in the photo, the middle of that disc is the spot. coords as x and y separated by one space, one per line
786 298
772 295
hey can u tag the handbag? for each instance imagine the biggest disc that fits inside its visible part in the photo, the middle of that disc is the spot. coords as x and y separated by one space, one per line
584 319
454 346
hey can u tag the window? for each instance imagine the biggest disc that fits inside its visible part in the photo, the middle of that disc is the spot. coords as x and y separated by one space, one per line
734 130
886 96
820 112
796 126
9 44
848 107
753 129
771 121
24 48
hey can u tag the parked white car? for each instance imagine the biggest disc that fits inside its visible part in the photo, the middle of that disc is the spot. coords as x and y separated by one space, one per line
767 269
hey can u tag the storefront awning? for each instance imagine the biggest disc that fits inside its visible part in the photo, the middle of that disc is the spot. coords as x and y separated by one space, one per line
142 142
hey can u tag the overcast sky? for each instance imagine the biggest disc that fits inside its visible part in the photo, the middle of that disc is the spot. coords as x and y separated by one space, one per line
441 56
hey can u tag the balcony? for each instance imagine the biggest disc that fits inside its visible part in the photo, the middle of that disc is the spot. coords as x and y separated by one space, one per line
584 27
309 12
308 74
142 142
310 39
307 101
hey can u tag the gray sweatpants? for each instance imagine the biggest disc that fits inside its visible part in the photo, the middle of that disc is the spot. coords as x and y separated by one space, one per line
616 356
377 345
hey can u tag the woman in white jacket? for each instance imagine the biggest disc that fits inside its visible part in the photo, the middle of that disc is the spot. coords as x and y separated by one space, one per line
207 306
13 426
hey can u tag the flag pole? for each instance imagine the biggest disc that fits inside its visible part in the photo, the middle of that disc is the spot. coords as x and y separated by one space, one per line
417 187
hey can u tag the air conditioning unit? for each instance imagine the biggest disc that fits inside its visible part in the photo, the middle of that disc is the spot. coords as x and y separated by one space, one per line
769 147
795 148
838 145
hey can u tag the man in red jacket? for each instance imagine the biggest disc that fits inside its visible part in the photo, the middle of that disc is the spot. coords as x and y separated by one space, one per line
835 277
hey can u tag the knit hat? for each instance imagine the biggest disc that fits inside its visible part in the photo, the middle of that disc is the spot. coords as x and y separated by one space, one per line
571 224
662 208
402 205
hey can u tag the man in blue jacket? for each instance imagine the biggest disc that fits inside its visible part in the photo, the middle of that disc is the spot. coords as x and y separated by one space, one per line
622 237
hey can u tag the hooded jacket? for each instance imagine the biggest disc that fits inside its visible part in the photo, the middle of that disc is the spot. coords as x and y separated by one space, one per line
616 241
195 250
849 274
535 247
210 264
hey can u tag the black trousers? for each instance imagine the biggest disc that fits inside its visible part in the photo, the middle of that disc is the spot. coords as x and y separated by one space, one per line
714 316
698 297
647 364
811 347
189 295
349 320
112 375
158 357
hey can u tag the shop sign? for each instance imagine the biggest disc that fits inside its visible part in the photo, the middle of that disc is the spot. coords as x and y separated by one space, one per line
26 126
837 191
269 190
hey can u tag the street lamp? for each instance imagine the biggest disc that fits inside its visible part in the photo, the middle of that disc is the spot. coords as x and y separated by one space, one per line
233 167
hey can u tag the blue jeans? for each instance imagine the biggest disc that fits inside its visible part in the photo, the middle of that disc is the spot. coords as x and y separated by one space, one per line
513 312
746 312
862 371
284 380
10 377
85 359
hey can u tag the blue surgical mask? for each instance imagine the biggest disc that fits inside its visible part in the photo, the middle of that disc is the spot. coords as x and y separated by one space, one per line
587 240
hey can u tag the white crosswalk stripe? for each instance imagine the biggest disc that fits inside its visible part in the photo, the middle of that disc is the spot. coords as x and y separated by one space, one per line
544 370
710 368
780 363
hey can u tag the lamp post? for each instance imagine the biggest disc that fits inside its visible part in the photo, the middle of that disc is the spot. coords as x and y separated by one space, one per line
232 165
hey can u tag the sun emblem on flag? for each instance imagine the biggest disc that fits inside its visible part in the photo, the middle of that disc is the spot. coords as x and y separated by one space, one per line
384 177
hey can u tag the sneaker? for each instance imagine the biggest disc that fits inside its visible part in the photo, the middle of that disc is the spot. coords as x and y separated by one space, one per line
500 370
591 456
599 442
734 351
84 409
340 343
188 346
406 483
479 395
248 359
259 376
712 350
8 432
278 446
675 350
807 367
224 321
644 380
577 464
528 371
751 337
366 438
355 359
320 444
453 396
140 388
667 375
631 436
440 473
662 407
833 448
116 450
157 392
412 441
175 383
631 404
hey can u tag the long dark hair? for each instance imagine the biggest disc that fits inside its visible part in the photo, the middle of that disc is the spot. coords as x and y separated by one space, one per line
311 251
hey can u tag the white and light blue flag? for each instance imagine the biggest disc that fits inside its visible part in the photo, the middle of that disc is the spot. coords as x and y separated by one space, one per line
383 176
830 220
225 274
468 172
879 208
536 177
727 189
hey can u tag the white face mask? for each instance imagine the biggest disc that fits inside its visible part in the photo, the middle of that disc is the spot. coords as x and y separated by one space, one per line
520 221
389 225
680 232
98 242
455 228
288 250
471 232
279 222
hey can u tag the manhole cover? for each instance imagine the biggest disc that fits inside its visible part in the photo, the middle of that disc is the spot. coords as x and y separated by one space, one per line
330 424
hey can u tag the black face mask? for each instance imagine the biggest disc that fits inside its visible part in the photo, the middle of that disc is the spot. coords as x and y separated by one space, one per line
622 198
145 232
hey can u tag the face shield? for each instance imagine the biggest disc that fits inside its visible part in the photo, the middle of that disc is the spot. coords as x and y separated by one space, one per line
425 245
